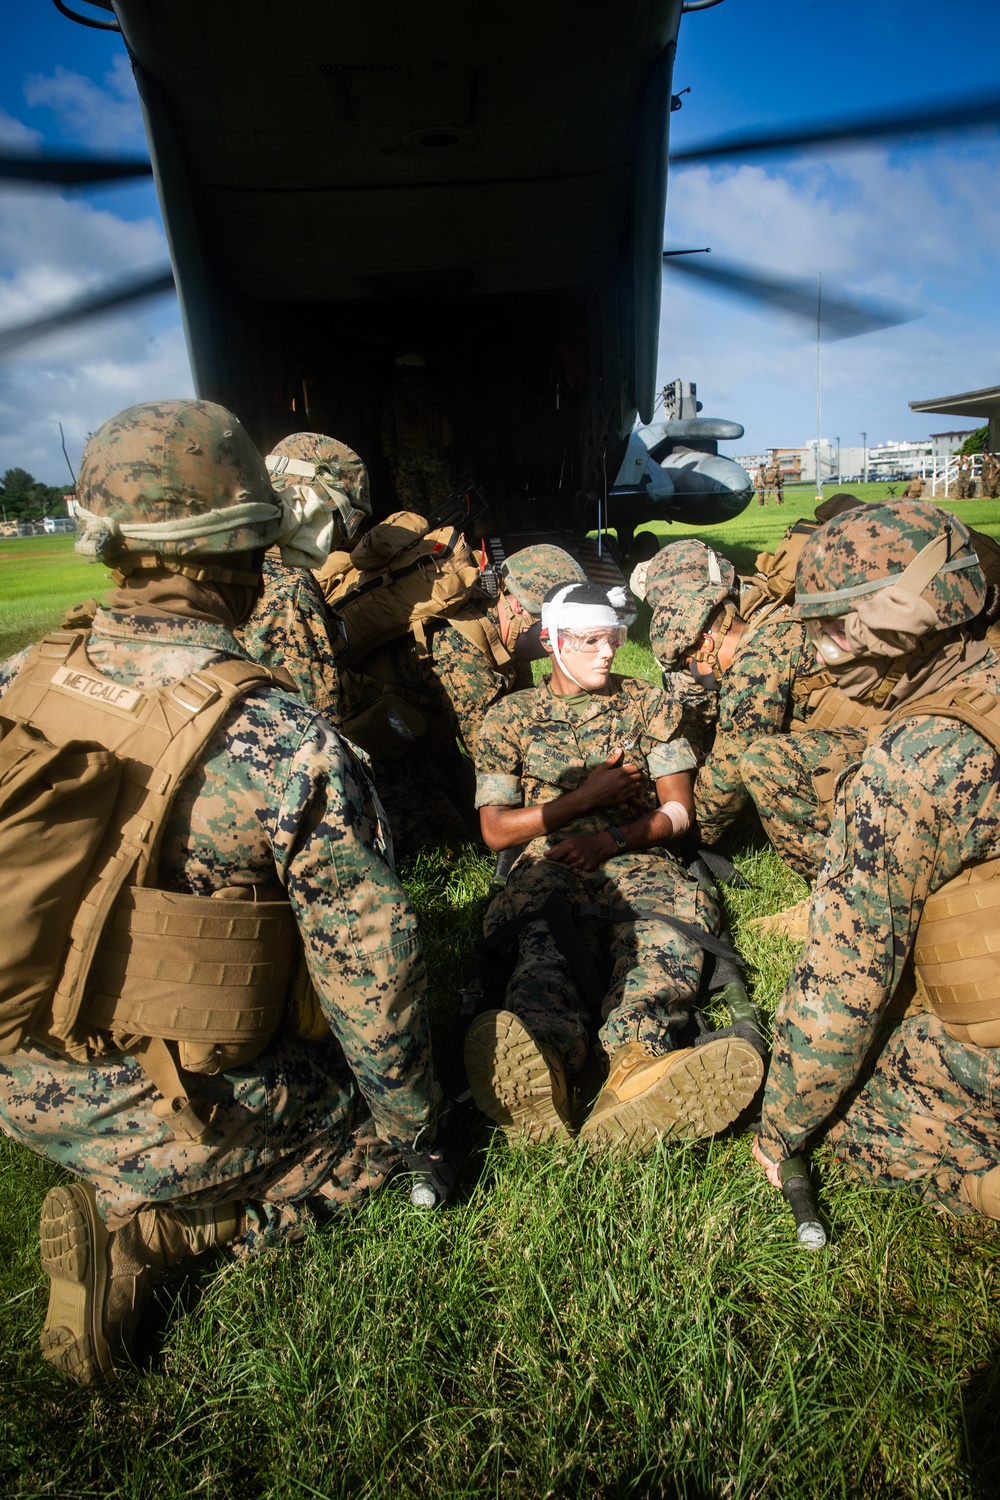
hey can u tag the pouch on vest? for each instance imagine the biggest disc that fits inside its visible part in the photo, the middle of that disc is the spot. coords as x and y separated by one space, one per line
956 954
400 574
55 803
137 967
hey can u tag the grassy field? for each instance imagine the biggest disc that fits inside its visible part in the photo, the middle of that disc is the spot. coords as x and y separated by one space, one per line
39 577
572 1326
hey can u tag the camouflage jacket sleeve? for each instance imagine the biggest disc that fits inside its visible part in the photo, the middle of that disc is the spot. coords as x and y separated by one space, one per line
287 628
359 931
469 678
923 804
755 698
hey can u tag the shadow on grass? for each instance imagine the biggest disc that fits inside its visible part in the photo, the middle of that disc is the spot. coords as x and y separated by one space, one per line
980 1431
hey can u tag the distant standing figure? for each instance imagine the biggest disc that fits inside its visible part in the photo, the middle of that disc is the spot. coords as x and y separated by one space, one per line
963 480
760 483
989 477
915 488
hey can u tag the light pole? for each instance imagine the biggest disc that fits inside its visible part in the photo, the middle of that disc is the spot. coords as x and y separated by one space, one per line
864 462
839 480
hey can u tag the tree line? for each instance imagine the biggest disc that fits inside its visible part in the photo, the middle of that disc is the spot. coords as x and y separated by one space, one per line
24 498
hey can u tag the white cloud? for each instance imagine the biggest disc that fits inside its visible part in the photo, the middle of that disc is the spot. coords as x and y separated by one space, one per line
106 119
52 250
15 133
919 231
83 388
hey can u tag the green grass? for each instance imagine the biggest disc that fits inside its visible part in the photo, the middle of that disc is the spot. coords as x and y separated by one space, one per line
572 1326
39 578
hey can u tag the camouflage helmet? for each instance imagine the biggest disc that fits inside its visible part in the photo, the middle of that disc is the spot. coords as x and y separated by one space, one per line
868 557
686 583
314 460
528 575
173 479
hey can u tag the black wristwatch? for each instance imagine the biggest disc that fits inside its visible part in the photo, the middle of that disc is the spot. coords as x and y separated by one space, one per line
617 835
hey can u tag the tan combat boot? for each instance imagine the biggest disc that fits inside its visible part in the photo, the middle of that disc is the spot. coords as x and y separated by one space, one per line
695 1092
514 1079
982 1190
100 1282
792 922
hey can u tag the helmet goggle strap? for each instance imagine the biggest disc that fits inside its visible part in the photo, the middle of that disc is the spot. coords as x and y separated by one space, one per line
351 515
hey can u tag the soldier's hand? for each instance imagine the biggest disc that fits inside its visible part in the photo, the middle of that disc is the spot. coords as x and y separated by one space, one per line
613 781
770 1167
585 852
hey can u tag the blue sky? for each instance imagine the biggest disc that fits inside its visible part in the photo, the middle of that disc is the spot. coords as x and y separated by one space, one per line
918 225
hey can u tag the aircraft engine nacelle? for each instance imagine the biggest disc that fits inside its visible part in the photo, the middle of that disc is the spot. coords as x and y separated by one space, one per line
677 468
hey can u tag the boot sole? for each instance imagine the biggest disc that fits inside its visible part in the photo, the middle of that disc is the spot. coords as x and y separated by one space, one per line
73 1243
510 1080
701 1095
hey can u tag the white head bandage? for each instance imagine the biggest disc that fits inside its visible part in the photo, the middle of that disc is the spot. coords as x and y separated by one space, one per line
559 614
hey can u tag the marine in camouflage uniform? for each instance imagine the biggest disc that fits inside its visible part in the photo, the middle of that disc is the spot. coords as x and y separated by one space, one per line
287 626
989 477
963 480
429 793
309 1127
765 681
599 783
922 804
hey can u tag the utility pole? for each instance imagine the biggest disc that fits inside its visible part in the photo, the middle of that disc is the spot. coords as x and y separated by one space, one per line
864 466
819 385
839 480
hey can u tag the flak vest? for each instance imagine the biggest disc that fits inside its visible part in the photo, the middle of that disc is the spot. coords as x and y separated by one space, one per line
182 982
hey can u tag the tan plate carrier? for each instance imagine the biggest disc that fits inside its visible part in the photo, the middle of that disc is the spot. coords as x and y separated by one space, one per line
957 951
147 967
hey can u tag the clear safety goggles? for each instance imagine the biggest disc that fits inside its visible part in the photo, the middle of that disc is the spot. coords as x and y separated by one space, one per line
832 651
589 642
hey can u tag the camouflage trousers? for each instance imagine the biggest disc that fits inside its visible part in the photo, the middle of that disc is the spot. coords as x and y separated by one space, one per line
429 801
649 972
792 779
422 479
928 1115
292 1138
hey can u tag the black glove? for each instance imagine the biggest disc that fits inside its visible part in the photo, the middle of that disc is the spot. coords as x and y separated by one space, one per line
433 1177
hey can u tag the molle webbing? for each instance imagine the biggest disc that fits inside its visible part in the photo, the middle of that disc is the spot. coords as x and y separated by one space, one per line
830 708
212 973
158 736
957 950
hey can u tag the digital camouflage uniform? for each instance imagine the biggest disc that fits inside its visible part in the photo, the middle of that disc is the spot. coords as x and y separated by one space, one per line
428 793
535 746
307 1125
763 692
922 804
287 628
173 496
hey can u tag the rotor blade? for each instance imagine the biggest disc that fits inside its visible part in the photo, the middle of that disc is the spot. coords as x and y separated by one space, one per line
122 295
840 317
69 171
938 119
